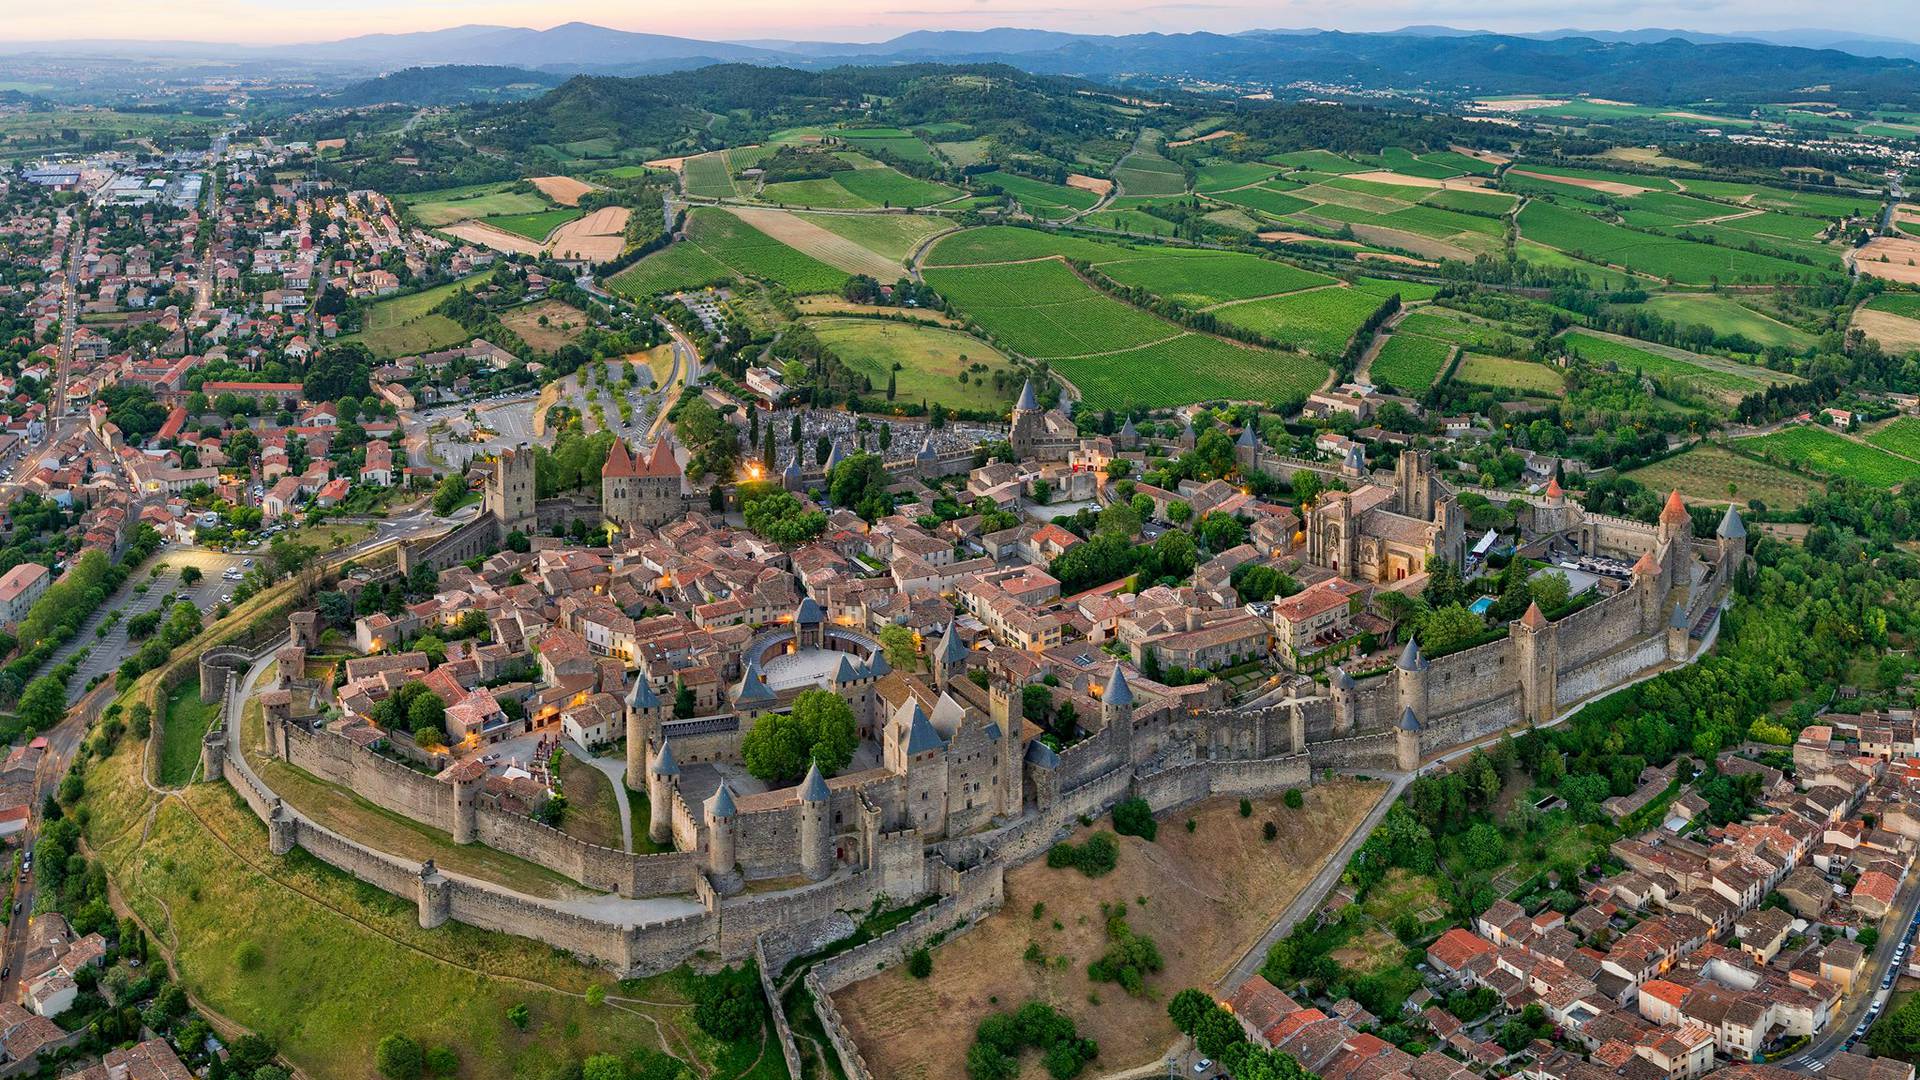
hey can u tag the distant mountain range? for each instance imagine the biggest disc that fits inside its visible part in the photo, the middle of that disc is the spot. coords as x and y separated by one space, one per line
1652 63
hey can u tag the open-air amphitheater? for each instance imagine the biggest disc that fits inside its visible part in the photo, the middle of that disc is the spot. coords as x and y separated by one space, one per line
965 790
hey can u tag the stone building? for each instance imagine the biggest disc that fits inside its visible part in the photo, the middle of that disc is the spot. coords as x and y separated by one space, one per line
1384 534
645 490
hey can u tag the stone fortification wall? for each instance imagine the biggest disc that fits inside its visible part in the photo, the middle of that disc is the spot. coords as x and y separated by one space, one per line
1597 629
1486 718
387 784
781 1029
1374 751
768 842
1610 670
1087 759
1464 679
666 873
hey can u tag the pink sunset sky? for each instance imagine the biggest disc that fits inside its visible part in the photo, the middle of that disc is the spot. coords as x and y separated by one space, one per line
281 21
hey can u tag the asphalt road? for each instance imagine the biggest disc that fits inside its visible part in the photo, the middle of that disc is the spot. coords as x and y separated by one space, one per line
1869 992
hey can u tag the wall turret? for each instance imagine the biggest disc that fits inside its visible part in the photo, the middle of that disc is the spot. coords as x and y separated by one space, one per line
662 777
1116 708
1536 644
950 659
1410 679
723 818
816 843
1005 709
643 723
1406 742
1649 592
1731 538
1346 705
465 779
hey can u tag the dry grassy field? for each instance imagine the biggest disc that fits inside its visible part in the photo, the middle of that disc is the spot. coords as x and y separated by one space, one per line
1895 333
564 190
1204 897
1891 257
476 232
597 237
564 323
798 232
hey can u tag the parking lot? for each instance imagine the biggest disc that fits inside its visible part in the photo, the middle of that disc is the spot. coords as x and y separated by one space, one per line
105 653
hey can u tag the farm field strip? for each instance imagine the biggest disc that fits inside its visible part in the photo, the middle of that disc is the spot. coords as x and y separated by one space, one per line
1410 361
1705 472
1663 364
1586 236
1820 451
1499 372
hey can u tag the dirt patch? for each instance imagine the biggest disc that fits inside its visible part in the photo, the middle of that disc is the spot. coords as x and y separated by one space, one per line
832 305
330 144
1609 101
1207 138
1387 256
1210 895
674 163
1089 183
564 323
1610 187
598 237
1305 238
1895 333
1484 155
833 249
1514 105
1696 116
1387 176
476 232
1890 257
564 190
1425 246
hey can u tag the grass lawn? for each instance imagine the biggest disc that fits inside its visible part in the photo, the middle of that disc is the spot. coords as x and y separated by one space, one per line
593 813
931 360
1727 316
187 720
1521 375
201 878
1704 473
534 226
448 205
403 325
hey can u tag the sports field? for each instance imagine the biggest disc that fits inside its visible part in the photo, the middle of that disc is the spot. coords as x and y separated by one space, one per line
1820 451
1713 474
448 205
931 360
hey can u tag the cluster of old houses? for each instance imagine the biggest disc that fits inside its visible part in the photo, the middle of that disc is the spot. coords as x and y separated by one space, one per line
1714 945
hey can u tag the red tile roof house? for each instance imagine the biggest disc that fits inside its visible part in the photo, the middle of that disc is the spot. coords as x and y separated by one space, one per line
1455 949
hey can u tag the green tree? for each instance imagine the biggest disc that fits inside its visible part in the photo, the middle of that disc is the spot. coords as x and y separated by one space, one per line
399 1057
448 496
820 728
896 643
1187 1007
43 702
